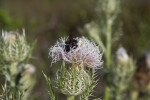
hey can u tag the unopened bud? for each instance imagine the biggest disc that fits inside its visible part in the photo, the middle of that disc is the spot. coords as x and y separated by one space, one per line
14 47
74 82
122 56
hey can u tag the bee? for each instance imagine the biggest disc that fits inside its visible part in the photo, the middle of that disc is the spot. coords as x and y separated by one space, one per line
71 42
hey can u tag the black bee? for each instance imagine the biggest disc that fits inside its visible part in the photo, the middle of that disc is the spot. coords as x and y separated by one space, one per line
71 43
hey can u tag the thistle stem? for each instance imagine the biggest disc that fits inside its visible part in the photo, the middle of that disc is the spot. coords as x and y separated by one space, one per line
70 98
118 93
106 95
12 74
108 54
108 41
134 95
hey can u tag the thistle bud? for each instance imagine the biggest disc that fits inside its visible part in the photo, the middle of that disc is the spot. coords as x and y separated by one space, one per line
122 56
73 81
27 80
94 31
14 47
112 6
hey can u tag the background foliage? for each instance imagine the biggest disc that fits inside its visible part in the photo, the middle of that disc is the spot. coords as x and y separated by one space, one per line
47 20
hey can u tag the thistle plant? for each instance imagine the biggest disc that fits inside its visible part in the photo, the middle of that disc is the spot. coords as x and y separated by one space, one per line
14 54
76 76
106 30
8 94
122 74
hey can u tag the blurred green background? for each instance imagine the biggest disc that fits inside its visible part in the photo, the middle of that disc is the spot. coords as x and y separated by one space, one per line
48 20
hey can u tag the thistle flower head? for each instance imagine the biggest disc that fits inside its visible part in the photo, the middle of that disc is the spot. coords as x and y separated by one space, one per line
14 47
84 53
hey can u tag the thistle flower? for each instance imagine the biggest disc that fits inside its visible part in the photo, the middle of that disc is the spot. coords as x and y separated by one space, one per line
86 53
13 46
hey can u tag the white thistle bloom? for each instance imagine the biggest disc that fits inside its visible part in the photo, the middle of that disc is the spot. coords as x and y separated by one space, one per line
14 47
86 53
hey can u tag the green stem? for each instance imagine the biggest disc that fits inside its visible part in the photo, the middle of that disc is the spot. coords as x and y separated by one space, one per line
70 98
118 94
106 95
12 74
108 54
13 69
134 95
118 97
108 41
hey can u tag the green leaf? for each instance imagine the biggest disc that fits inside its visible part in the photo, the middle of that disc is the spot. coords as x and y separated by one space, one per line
52 96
